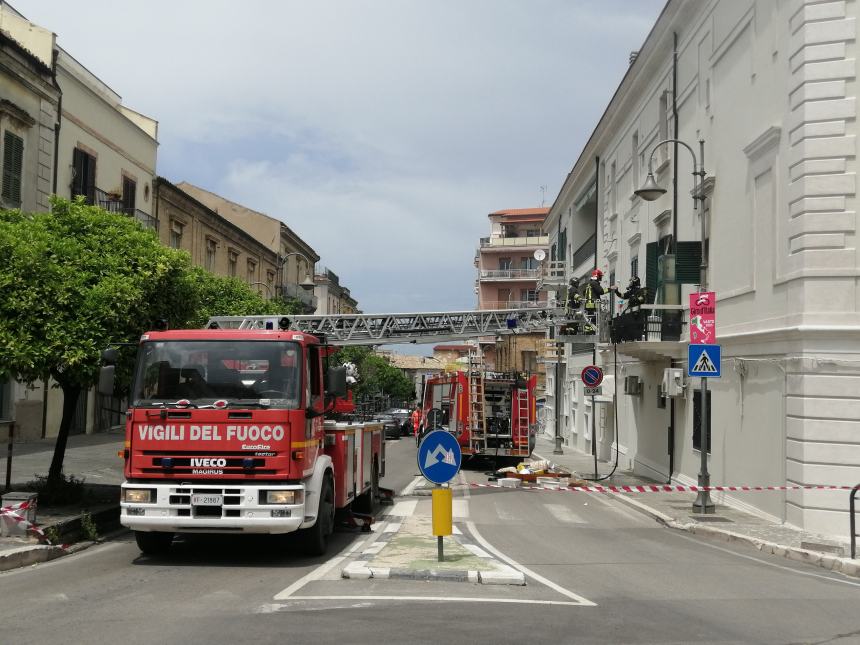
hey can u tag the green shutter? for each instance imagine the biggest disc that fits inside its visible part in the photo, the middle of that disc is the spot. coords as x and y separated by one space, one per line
13 161
688 262
651 269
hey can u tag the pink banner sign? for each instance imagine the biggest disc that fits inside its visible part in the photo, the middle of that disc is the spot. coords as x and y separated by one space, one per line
703 318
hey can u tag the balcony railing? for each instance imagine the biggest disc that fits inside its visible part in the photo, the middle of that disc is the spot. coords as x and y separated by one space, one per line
107 201
534 240
295 292
649 323
509 274
585 251
514 304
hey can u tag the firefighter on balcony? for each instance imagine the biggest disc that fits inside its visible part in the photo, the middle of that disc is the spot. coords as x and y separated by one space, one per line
591 300
634 295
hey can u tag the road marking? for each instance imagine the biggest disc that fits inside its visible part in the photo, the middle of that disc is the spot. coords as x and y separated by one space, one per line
765 562
410 488
323 569
457 531
272 607
620 508
503 513
478 551
392 528
461 508
563 514
581 600
405 508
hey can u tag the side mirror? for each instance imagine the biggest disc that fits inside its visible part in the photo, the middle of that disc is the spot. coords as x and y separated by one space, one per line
109 356
106 380
336 381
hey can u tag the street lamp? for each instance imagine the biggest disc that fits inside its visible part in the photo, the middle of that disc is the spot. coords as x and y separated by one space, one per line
650 191
308 283
263 284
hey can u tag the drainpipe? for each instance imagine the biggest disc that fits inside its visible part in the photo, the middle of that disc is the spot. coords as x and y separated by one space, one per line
671 440
56 127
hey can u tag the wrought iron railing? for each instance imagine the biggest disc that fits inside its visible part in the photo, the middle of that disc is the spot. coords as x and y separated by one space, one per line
648 323
110 202
509 274
853 521
531 240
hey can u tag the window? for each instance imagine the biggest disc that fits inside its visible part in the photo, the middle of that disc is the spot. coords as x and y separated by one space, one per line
84 175
211 247
232 261
634 161
533 232
504 264
252 271
663 124
129 195
697 420
270 278
5 399
634 266
562 246
176 234
528 262
613 205
528 295
13 162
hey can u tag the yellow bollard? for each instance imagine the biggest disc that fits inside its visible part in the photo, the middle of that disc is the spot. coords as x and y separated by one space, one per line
443 514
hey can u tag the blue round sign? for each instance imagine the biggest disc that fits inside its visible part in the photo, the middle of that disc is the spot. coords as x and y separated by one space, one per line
592 376
439 456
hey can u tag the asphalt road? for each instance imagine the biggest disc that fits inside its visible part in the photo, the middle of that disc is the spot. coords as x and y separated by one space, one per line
597 571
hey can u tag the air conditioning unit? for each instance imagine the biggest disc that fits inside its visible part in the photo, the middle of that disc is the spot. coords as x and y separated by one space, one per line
673 382
632 385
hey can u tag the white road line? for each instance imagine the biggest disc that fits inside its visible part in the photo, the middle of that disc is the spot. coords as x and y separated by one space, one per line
620 508
406 508
375 548
563 514
392 528
503 513
765 562
461 508
478 551
323 569
410 488
457 531
516 565
510 601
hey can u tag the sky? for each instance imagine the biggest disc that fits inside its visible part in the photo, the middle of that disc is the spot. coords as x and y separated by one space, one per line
383 132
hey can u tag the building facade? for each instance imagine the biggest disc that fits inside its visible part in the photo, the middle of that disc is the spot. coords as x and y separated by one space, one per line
214 243
297 257
770 87
332 297
508 274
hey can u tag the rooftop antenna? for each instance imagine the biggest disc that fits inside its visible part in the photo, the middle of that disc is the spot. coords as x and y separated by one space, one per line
542 195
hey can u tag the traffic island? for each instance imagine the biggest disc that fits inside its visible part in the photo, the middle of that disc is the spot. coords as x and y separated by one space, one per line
408 551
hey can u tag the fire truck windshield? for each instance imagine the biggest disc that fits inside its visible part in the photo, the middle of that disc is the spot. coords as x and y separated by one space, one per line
203 372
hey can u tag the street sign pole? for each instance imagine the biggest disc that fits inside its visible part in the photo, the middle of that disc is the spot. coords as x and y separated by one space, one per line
594 435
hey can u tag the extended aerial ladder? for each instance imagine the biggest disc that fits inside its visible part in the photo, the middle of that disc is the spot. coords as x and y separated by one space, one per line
477 401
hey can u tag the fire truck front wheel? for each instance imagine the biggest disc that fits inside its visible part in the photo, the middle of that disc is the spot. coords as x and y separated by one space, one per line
153 542
315 538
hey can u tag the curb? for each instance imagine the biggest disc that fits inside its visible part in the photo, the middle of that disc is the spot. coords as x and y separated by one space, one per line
846 566
26 555
359 570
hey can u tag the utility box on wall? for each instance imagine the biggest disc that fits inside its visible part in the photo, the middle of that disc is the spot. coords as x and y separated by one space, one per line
632 385
673 382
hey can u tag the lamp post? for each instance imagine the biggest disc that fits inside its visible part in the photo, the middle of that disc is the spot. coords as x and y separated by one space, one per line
650 191
308 283
263 284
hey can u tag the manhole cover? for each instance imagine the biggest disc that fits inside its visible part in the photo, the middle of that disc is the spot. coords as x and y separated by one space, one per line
710 518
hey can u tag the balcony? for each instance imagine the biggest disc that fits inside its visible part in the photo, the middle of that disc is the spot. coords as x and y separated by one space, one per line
107 201
513 304
585 251
507 242
551 274
650 332
510 274
293 291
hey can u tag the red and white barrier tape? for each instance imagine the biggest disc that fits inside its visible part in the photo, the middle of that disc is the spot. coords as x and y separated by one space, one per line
663 488
12 513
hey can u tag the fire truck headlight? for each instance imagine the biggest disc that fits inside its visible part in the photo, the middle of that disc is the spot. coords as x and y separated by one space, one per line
283 497
138 495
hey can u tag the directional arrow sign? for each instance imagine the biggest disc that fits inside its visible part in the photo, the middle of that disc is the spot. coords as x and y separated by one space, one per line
439 456
703 360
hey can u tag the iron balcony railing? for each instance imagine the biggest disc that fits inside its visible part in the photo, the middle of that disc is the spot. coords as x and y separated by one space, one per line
585 251
509 274
108 202
649 323
513 304
532 240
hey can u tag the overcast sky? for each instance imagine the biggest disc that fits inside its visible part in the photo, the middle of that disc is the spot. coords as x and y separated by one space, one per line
382 132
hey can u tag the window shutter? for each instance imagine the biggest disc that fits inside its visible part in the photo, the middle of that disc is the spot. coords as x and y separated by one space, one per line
651 269
688 262
78 172
91 179
13 168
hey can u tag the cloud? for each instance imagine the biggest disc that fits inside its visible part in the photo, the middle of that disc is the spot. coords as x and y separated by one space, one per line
382 132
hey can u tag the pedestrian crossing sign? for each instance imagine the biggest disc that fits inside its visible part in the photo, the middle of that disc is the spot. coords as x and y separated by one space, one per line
703 360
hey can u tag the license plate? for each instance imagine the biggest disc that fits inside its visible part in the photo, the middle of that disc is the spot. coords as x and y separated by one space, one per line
207 500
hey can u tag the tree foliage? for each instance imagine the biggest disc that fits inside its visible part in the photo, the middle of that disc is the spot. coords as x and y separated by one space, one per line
376 375
78 280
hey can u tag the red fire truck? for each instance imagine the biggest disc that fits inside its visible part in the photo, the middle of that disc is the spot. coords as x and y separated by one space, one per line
491 414
226 432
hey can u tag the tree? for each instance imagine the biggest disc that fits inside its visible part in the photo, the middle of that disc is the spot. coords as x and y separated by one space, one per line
376 375
75 281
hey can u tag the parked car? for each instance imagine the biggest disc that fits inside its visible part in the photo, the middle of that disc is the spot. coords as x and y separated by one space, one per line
404 420
390 424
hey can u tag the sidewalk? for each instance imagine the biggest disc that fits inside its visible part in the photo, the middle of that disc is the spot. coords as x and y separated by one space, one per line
730 524
92 458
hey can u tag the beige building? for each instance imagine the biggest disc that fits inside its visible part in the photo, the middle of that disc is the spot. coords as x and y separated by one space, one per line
416 368
298 256
214 242
106 150
332 297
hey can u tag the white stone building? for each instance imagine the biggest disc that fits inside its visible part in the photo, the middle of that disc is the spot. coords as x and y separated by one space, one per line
770 86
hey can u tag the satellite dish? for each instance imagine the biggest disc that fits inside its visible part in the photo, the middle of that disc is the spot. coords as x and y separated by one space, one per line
540 255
